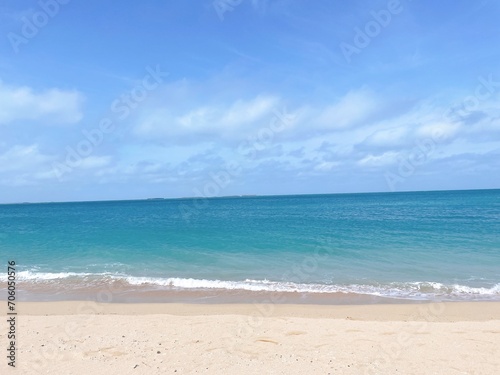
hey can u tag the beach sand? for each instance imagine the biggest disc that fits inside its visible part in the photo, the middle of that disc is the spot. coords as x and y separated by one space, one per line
88 338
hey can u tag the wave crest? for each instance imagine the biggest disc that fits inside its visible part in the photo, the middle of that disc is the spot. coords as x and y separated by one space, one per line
419 290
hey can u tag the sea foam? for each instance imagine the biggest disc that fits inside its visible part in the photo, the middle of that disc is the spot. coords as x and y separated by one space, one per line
418 290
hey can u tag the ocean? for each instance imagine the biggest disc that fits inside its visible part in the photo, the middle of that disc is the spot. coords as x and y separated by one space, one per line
373 247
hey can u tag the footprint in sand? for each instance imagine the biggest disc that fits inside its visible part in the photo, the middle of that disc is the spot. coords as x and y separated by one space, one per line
267 340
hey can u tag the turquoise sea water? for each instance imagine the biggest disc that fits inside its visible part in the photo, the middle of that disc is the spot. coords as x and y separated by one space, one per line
420 245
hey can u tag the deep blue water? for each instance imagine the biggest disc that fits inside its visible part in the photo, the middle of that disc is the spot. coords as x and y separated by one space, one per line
418 245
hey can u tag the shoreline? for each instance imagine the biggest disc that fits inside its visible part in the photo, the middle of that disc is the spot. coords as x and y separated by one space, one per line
120 292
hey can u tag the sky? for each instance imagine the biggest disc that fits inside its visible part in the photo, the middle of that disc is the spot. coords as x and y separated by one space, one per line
140 99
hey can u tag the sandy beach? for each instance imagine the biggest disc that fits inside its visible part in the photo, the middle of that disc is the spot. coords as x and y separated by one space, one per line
88 338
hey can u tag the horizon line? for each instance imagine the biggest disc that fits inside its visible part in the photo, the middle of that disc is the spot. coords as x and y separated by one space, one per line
243 196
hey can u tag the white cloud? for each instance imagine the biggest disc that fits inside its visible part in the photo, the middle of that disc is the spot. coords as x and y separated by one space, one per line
93 162
23 165
326 166
388 137
351 110
22 158
171 117
233 121
441 130
26 165
387 158
244 112
52 106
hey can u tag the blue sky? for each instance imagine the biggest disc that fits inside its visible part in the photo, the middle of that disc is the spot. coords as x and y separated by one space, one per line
107 100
